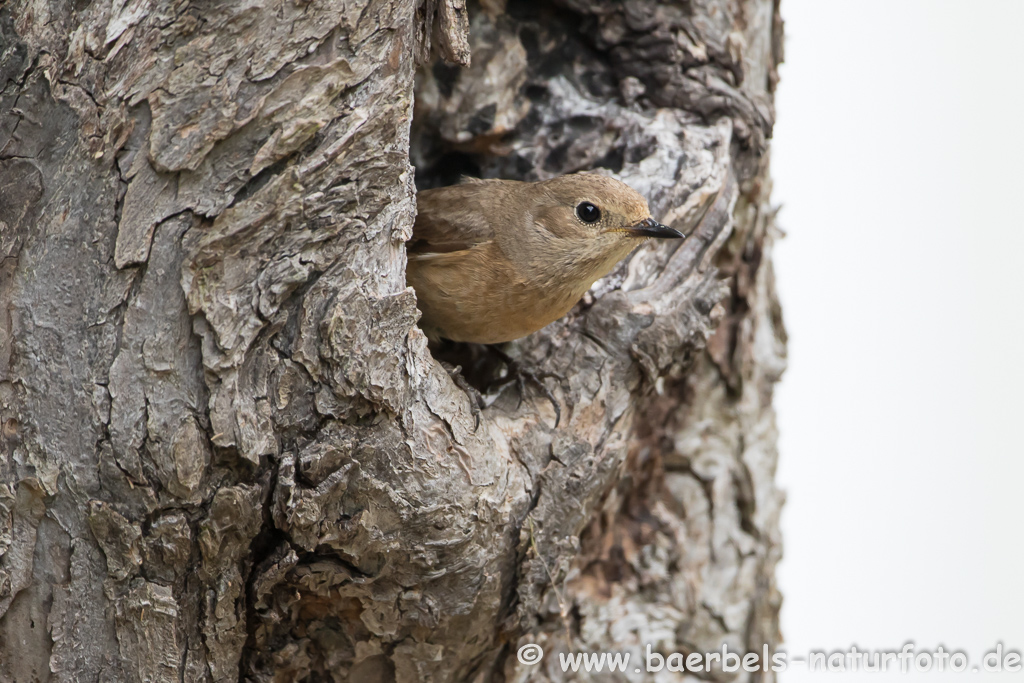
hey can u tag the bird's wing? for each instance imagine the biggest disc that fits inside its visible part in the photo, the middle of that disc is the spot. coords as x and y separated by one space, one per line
453 218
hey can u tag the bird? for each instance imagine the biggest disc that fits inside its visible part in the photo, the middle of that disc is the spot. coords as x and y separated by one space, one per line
492 261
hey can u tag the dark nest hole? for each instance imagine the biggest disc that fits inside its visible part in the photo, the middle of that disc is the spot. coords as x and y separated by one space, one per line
511 130
467 122
481 365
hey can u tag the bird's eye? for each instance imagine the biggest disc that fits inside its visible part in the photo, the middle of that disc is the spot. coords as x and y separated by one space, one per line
588 213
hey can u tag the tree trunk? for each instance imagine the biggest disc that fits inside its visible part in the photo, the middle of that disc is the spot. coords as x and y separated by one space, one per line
229 452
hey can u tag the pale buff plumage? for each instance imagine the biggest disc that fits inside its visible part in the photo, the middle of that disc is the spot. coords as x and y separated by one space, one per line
495 260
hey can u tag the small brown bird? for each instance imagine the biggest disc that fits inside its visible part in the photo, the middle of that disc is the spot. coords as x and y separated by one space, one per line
495 260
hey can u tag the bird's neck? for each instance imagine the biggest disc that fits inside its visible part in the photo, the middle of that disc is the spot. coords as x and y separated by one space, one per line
568 271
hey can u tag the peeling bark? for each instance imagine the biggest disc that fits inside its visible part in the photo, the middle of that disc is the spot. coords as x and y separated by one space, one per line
229 453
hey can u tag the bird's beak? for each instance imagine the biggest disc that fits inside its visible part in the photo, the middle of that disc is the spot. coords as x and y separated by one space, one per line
649 227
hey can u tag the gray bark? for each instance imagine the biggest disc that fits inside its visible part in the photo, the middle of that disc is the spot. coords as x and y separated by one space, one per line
228 453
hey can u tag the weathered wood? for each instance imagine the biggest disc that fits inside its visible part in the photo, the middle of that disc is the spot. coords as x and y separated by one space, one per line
229 453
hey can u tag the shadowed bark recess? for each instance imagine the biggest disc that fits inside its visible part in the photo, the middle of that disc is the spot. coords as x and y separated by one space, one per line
229 453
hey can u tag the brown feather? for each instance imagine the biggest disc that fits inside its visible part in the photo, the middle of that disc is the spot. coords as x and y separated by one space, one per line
453 218
495 260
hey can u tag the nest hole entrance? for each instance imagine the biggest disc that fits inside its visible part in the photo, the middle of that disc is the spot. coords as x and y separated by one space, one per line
502 117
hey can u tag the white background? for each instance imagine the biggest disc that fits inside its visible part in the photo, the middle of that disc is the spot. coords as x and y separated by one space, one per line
898 159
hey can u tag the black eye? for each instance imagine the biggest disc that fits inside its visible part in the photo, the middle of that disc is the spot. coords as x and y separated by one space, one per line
588 213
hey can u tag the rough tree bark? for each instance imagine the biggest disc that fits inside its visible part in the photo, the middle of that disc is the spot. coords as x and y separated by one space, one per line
229 453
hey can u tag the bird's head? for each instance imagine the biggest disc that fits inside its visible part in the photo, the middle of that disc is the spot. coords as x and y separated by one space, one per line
590 206
598 218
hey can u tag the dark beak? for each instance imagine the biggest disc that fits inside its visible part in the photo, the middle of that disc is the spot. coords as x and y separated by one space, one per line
649 227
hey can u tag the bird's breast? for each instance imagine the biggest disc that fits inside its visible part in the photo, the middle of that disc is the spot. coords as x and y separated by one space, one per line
477 296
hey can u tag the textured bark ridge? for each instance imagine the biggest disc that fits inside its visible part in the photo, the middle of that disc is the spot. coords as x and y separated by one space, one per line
229 453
